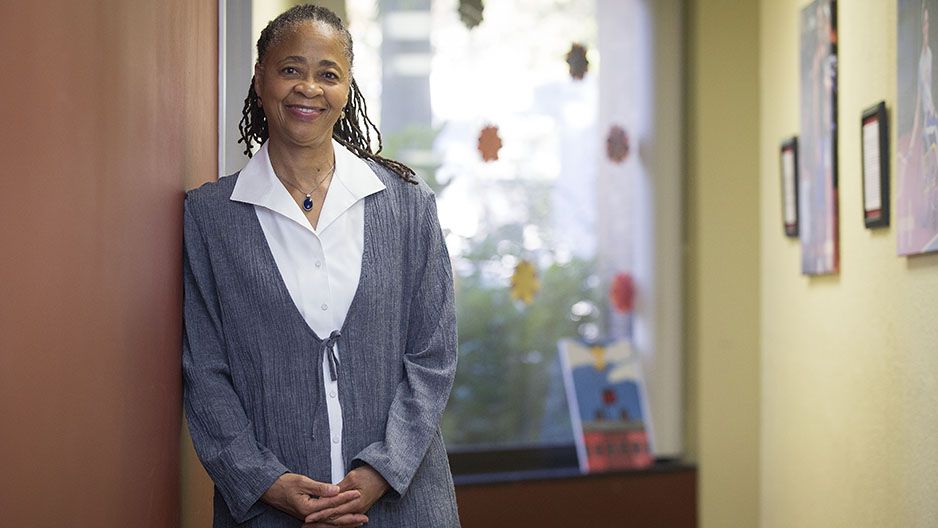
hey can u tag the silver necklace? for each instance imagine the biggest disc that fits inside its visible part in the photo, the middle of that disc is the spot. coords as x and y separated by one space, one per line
308 202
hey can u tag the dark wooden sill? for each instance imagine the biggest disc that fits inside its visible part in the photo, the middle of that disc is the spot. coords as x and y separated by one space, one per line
663 496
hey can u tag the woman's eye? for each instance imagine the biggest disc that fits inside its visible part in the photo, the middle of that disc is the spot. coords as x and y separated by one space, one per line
290 70
331 76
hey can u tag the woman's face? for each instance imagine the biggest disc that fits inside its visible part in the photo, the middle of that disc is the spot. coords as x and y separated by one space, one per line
303 84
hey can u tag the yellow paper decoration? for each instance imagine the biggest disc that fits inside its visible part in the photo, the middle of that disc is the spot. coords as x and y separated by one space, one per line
524 282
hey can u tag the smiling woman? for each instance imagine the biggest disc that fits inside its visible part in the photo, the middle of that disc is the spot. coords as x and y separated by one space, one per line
304 80
353 127
320 331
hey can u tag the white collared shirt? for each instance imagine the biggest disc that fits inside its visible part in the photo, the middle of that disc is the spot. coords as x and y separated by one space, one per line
320 266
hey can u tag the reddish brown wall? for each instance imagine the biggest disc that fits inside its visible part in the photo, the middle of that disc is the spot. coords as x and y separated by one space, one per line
108 114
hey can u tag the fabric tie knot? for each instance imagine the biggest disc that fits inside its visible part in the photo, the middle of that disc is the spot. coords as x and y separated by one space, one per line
328 348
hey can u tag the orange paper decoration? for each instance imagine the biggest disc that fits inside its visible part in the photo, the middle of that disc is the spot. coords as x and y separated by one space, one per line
489 143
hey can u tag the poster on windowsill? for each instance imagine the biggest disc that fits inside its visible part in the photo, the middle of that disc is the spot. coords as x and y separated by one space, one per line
608 405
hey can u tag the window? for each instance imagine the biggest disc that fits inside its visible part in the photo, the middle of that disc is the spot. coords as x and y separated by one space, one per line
538 234
530 214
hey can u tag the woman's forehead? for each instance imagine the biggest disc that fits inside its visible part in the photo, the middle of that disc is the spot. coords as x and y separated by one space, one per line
310 37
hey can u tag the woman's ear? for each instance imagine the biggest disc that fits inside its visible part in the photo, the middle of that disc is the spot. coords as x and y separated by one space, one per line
258 81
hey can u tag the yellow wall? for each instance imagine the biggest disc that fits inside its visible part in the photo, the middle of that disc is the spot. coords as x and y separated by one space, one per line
722 257
849 404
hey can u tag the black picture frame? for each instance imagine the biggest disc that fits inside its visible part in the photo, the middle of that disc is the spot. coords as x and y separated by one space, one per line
874 145
788 170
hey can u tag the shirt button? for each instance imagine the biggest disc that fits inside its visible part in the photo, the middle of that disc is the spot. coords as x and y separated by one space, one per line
324 306
335 439
332 394
318 263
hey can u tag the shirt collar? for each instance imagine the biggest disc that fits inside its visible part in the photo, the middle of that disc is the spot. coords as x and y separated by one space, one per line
353 180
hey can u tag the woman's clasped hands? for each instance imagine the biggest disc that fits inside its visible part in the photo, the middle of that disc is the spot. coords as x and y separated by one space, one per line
322 505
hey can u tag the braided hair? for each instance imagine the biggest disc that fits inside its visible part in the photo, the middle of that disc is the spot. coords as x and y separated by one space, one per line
354 127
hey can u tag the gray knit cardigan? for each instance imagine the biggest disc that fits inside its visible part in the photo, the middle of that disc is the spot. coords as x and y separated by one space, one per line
252 366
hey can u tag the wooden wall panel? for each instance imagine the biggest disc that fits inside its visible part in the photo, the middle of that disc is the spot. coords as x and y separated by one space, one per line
109 112
642 499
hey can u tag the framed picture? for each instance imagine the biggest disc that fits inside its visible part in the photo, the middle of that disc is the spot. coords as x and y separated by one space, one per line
817 142
788 159
874 141
917 129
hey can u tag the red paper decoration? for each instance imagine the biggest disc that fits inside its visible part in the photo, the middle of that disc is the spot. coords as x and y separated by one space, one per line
617 144
576 59
622 293
489 143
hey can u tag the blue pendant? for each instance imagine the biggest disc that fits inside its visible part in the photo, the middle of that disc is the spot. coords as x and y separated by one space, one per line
308 203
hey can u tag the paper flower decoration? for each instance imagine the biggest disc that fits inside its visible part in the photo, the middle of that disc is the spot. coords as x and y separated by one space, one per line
489 143
470 12
576 58
622 293
524 282
617 144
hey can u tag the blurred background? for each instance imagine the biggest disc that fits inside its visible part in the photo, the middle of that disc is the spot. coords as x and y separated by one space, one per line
773 399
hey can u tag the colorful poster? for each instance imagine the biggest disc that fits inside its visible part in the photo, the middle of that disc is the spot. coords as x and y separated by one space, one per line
817 144
608 408
917 125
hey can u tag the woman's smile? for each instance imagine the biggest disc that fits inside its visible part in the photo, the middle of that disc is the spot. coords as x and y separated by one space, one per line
305 112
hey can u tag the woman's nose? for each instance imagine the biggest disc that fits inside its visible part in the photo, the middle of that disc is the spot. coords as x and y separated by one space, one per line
309 88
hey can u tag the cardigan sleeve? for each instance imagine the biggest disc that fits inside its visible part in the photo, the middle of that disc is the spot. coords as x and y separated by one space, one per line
429 362
222 434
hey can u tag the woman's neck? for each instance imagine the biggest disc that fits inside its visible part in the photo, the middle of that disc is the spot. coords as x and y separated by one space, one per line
304 166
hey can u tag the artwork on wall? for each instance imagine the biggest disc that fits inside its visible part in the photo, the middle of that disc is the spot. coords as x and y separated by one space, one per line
874 143
917 133
788 159
817 156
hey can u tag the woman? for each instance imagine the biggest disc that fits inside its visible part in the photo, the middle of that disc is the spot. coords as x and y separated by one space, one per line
320 334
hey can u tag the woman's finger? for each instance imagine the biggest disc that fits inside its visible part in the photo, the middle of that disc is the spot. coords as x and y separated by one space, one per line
354 506
314 505
346 521
319 489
